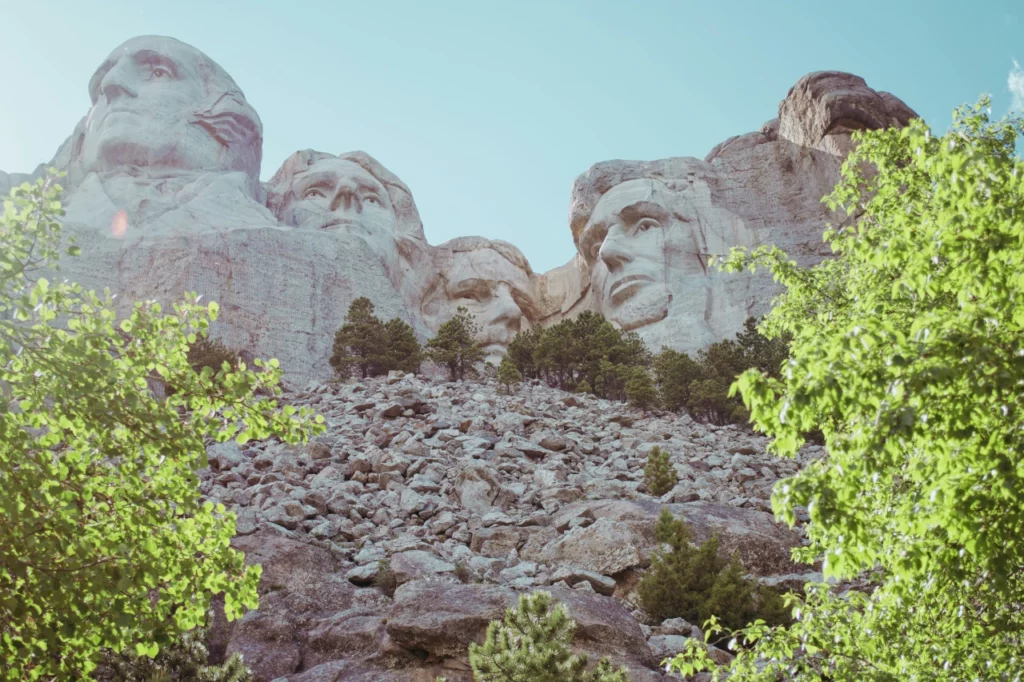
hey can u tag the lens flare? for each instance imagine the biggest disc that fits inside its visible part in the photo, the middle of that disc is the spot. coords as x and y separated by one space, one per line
119 225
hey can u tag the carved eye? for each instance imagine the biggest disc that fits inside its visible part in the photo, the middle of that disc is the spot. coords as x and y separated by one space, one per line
374 199
646 223
160 72
312 193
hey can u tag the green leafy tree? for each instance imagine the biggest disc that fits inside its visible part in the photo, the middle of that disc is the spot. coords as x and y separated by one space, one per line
906 354
455 347
508 375
640 390
106 542
659 474
696 583
534 644
403 348
361 343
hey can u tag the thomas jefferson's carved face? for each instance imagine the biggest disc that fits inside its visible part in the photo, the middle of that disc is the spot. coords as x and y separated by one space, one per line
144 97
339 195
638 229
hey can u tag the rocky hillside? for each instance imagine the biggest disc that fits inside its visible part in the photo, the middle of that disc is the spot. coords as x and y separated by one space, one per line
473 497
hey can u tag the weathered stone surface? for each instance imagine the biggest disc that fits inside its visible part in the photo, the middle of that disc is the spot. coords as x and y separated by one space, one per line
442 619
606 547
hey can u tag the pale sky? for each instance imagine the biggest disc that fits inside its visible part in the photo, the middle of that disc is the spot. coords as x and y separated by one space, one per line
488 110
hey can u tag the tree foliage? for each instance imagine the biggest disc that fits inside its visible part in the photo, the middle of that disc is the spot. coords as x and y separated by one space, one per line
534 644
106 542
455 347
701 385
696 583
372 347
587 349
185 659
907 354
508 375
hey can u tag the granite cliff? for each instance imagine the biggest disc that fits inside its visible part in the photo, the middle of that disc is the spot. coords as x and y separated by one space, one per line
164 196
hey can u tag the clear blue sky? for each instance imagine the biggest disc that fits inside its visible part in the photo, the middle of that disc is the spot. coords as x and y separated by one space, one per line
489 110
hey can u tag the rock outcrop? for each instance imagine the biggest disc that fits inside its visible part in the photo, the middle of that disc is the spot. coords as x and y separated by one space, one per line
473 497
164 197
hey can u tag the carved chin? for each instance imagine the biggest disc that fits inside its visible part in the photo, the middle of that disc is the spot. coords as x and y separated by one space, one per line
649 306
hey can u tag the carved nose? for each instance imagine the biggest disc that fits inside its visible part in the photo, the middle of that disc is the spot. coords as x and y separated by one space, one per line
614 251
346 198
506 311
115 83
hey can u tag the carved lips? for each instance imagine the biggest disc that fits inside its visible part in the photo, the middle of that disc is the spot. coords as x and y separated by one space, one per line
624 287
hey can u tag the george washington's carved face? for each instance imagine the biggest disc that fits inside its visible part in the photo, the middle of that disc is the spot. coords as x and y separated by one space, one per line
157 102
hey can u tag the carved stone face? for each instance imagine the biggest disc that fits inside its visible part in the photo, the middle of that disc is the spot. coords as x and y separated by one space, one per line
637 229
495 291
145 99
341 196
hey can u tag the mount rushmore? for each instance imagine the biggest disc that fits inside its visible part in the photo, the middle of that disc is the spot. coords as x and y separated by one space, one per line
163 195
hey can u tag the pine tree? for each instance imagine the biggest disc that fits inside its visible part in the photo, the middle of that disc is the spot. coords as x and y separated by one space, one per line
455 346
659 474
403 349
696 583
640 391
361 343
508 375
533 644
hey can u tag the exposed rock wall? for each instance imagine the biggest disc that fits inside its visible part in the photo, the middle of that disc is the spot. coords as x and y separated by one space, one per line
164 197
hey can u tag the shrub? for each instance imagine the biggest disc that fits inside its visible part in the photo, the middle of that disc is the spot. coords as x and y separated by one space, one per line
533 644
508 375
385 580
455 347
584 387
659 474
184 659
695 583
463 572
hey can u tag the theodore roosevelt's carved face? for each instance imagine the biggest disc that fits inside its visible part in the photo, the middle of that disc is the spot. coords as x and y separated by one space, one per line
497 294
157 102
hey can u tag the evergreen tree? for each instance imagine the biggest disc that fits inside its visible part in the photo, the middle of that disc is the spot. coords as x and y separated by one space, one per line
534 644
360 343
522 351
659 474
508 375
696 583
455 347
674 372
640 391
403 349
